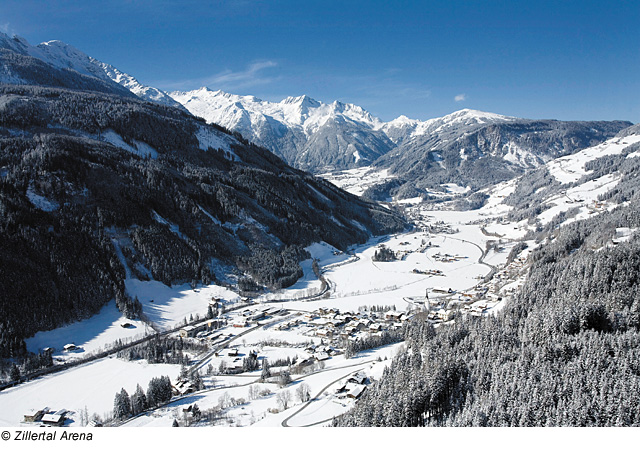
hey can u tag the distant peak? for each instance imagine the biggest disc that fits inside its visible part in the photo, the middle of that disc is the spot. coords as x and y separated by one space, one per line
303 100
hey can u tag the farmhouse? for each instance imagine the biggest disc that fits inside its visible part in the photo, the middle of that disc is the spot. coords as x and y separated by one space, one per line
55 420
393 315
35 415
356 391
70 347
358 378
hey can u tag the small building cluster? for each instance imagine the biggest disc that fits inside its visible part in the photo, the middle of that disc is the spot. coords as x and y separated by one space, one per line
46 417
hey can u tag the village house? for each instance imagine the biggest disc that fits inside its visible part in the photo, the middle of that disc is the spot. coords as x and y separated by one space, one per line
55 419
356 391
358 378
35 415
393 315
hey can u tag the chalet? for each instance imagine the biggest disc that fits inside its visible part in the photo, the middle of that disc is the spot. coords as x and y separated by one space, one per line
55 420
321 356
324 332
356 391
188 331
241 323
70 347
375 327
350 329
358 378
445 315
126 325
393 315
35 415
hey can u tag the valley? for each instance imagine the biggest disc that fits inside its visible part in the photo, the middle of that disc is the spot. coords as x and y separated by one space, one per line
205 259
446 256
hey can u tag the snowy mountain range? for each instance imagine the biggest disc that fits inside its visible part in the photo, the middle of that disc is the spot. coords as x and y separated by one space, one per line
317 136
469 147
66 57
306 133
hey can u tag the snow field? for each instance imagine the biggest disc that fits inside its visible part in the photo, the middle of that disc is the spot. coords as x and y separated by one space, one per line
93 385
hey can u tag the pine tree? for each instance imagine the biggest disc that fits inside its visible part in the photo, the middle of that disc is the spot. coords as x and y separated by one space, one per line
266 372
138 401
122 405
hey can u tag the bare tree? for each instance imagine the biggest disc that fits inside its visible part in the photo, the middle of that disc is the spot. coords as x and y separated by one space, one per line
283 398
303 392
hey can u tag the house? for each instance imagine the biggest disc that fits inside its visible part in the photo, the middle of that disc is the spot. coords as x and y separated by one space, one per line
393 315
356 391
375 327
441 290
324 332
187 331
70 347
55 420
322 356
241 323
35 415
357 378
126 325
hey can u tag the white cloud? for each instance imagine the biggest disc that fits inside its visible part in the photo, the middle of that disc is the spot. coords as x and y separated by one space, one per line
460 97
229 80
7 29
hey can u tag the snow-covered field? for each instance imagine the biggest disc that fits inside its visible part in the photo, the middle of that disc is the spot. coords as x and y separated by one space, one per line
92 386
91 335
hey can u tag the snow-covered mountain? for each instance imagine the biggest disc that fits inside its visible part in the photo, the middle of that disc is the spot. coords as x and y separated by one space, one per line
305 132
403 128
66 57
467 145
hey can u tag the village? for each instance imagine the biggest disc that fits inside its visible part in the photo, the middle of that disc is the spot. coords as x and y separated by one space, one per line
316 340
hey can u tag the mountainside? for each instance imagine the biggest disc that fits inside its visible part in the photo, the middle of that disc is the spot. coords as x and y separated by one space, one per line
64 58
306 133
88 176
480 154
564 349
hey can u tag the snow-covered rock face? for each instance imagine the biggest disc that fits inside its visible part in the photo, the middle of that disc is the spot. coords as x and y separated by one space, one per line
65 56
305 132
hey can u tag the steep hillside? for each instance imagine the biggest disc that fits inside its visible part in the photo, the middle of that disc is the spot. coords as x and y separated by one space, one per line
480 154
83 174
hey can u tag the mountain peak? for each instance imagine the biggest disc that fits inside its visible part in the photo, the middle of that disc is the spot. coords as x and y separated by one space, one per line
302 100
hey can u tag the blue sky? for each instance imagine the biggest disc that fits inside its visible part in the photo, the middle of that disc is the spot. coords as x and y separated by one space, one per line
563 59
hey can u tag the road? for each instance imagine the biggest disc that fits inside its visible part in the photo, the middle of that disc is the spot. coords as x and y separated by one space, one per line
285 422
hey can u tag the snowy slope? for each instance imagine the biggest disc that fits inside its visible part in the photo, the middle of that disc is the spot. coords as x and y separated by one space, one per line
403 128
65 56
